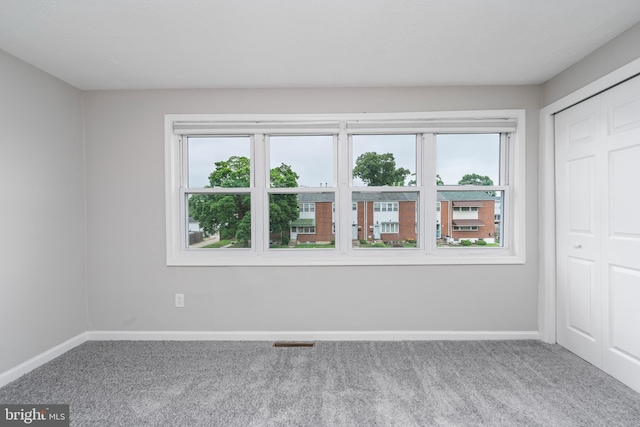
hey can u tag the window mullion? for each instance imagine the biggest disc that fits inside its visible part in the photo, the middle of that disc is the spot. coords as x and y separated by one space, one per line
343 198
428 194
184 183
506 219
504 159
184 220
259 196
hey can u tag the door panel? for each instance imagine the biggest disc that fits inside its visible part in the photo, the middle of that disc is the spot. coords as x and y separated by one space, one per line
624 294
623 175
580 296
578 230
623 108
581 195
621 239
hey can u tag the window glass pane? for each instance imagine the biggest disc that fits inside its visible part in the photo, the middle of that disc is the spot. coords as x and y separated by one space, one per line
309 157
464 159
219 221
380 160
469 219
219 161
385 220
301 221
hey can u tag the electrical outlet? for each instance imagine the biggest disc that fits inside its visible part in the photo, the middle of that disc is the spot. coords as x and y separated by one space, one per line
179 300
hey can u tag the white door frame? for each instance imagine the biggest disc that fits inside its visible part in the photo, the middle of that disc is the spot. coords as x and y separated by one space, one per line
546 199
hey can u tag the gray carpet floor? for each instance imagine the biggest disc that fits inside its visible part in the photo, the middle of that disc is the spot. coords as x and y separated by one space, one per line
436 383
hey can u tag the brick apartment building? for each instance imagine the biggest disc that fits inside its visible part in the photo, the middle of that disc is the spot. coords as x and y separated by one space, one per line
388 217
469 215
392 217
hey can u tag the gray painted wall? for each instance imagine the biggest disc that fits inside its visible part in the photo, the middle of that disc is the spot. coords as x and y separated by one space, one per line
613 55
131 289
42 219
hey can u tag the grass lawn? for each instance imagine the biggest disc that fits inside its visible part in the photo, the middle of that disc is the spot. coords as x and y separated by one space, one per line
383 245
302 246
219 244
488 245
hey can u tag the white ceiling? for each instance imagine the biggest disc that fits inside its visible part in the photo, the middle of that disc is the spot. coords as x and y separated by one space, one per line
140 44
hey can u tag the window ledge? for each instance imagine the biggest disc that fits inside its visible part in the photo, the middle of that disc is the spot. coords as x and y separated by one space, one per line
279 261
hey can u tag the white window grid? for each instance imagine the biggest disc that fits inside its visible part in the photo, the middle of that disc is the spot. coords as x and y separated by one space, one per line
303 230
390 227
506 122
385 207
465 228
307 207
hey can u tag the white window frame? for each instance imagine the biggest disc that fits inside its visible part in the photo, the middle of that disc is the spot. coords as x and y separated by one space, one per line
396 227
385 206
342 126
305 229
307 207
465 228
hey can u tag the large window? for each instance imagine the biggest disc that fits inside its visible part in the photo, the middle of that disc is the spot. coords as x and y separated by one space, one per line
354 189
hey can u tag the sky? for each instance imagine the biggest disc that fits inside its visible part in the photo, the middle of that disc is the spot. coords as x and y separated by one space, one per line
311 157
458 155
205 152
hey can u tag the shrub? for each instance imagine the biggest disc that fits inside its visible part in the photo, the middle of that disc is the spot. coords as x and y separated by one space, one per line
363 242
333 241
378 245
481 242
465 242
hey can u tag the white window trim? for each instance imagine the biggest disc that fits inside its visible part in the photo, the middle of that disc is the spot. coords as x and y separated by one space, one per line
470 227
308 205
396 227
486 121
305 232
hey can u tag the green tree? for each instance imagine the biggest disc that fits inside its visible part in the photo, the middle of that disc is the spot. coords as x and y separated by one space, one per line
379 169
230 214
283 208
475 179
235 172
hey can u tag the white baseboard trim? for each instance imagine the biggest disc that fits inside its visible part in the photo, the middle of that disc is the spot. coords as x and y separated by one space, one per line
39 360
311 335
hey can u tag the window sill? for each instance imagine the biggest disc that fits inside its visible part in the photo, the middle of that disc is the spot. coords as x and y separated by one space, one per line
267 260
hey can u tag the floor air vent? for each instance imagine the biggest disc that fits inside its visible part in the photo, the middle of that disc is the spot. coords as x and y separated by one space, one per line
294 344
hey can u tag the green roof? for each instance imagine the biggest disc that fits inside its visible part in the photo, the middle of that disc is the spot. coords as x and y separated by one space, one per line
465 195
360 196
304 222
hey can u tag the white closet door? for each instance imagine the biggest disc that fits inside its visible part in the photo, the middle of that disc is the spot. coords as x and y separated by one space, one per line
620 110
578 231
598 230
